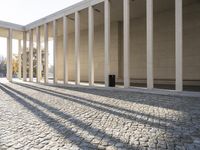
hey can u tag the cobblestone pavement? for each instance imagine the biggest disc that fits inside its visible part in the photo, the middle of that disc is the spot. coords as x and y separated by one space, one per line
34 116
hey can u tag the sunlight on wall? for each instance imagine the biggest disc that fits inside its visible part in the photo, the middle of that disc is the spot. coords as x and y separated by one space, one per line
50 53
51 59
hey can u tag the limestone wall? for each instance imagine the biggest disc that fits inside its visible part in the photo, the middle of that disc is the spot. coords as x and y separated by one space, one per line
98 54
164 48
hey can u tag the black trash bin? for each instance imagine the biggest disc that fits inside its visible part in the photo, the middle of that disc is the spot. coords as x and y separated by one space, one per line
111 80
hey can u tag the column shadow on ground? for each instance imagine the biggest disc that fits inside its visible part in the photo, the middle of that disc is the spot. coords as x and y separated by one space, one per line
96 132
164 124
178 103
131 115
128 114
61 129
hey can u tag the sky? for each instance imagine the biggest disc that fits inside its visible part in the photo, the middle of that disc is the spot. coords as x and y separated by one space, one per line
26 11
23 12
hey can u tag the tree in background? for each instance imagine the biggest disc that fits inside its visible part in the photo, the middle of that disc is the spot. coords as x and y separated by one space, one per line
15 64
2 66
34 62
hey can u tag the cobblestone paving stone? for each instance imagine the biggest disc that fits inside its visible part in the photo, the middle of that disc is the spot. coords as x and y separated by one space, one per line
34 116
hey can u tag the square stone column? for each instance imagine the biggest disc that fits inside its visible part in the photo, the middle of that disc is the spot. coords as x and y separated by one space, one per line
9 55
46 48
107 41
77 48
126 43
20 60
38 54
65 50
179 44
24 57
149 14
91 45
31 55
7 64
54 50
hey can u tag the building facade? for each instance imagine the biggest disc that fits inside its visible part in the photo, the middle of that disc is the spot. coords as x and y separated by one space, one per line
150 43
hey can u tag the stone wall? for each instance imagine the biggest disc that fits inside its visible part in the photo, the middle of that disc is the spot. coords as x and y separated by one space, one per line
164 48
98 54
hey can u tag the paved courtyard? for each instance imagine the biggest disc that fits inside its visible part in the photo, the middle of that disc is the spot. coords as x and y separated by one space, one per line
36 116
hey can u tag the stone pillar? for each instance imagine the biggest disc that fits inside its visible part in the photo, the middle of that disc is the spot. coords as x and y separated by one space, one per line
20 60
77 48
65 50
9 56
149 13
24 57
46 48
91 45
31 55
179 44
126 43
38 54
54 49
107 40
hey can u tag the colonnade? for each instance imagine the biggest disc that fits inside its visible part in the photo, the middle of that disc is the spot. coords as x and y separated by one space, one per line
107 22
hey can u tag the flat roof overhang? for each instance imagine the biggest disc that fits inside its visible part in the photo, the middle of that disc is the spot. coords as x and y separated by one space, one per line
116 12
13 26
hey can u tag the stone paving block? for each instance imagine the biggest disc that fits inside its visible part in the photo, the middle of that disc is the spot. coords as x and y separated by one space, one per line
34 116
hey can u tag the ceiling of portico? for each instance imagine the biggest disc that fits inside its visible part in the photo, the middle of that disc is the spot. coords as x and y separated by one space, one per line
138 9
16 34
